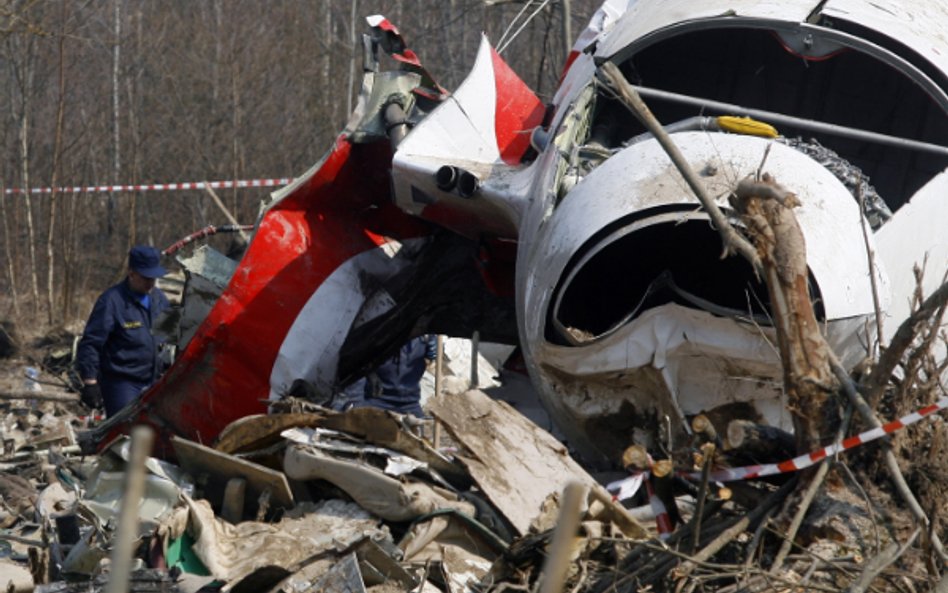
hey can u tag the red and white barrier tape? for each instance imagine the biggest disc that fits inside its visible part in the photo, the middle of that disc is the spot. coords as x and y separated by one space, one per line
805 461
663 522
188 185
627 487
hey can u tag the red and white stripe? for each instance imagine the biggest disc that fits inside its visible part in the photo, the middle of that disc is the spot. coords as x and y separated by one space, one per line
809 459
186 185
663 520
627 487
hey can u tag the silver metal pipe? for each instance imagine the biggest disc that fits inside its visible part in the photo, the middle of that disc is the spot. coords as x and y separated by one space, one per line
806 124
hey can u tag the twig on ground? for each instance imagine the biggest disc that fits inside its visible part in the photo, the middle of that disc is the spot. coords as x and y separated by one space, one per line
891 462
871 511
879 563
732 532
755 540
707 450
815 484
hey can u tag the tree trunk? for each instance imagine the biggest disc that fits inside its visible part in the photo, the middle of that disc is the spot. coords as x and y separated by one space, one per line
55 178
766 210
354 54
26 91
235 144
116 127
11 272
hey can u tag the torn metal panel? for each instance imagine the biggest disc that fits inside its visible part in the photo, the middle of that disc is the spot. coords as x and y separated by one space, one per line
429 540
478 129
382 564
383 428
374 491
335 442
922 219
105 490
231 552
261 430
919 24
343 577
644 17
515 463
310 348
208 272
219 467
463 571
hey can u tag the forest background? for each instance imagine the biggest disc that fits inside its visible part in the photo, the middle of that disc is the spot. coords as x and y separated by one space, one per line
128 92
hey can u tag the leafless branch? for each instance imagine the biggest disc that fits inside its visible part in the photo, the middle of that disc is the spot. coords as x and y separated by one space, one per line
733 241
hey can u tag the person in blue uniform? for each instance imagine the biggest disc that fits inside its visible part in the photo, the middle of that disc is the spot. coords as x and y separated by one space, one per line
117 357
396 384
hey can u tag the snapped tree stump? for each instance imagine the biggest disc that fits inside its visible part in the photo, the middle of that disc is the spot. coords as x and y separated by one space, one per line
766 209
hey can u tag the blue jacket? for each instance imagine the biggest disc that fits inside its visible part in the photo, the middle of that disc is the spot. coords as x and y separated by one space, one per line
396 383
117 342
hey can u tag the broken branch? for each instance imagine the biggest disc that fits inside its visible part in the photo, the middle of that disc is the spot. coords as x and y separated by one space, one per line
814 486
875 566
892 464
736 529
733 241
879 376
39 396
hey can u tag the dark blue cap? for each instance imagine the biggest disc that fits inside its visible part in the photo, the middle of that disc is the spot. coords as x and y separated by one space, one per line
146 260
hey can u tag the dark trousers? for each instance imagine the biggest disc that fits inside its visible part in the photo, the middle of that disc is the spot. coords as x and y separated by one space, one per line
118 392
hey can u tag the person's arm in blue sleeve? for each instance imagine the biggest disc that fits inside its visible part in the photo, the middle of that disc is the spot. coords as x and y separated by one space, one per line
163 302
431 346
98 327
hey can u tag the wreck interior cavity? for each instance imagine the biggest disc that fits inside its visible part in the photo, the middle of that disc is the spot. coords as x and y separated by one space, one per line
755 68
671 256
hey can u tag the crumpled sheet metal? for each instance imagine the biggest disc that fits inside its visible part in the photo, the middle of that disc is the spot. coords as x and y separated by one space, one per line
514 462
462 569
374 491
231 552
105 490
343 577
331 440
464 556
85 556
385 428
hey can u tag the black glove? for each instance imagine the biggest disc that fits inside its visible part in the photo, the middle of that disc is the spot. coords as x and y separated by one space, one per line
91 395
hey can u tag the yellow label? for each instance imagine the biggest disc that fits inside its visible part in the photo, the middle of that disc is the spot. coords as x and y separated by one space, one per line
746 125
132 324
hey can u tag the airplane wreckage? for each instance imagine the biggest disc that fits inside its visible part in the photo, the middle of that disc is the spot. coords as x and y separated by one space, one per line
567 229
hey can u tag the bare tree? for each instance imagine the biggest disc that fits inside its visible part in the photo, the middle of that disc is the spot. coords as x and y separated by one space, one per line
54 177
23 73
